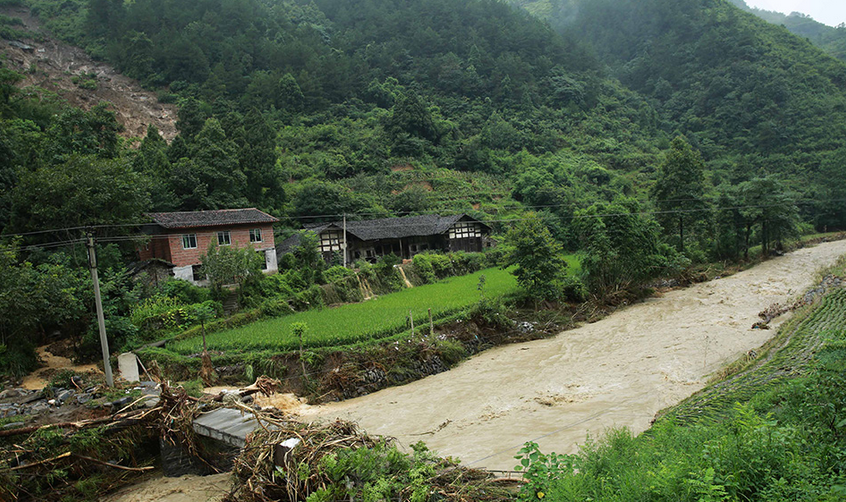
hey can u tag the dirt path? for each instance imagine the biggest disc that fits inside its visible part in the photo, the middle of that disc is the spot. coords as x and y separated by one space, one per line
52 363
616 372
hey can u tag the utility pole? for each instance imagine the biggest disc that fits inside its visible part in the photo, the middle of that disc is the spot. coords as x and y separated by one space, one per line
101 320
345 240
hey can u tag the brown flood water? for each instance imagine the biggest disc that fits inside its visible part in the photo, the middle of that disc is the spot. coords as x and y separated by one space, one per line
616 372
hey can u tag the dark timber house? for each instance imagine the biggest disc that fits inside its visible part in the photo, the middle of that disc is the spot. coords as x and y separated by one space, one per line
404 237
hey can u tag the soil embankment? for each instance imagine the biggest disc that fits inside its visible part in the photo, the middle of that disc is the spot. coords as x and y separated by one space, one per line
619 371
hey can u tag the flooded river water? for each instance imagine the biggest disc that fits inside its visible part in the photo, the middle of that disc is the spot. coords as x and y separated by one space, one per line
616 372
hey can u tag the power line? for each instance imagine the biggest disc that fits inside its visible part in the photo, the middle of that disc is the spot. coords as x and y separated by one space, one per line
401 224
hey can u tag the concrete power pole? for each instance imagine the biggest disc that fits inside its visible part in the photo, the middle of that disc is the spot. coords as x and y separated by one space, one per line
345 240
101 320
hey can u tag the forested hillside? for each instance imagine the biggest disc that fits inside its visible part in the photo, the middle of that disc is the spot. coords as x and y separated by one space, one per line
753 98
337 92
832 40
644 133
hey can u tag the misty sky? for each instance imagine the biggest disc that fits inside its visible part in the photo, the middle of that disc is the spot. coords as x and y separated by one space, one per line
830 12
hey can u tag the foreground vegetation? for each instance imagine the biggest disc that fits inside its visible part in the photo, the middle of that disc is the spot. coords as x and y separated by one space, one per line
774 431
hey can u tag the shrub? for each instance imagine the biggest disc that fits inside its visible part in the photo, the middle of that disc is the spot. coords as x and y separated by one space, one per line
422 265
337 273
441 265
451 351
573 289
184 292
157 317
18 359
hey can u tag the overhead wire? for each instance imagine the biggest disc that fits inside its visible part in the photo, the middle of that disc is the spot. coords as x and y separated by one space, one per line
398 224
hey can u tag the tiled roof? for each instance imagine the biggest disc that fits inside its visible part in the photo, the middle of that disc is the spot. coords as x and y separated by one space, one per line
214 218
395 228
288 245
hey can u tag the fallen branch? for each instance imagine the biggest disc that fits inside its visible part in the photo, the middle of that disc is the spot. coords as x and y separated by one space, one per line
116 466
40 462
116 419
266 385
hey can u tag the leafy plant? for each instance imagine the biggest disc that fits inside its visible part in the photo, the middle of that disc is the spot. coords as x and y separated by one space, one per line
539 470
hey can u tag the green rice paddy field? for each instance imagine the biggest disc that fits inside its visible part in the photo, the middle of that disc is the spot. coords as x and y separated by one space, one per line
370 320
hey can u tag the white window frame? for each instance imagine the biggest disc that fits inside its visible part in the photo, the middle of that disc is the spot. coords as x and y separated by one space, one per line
330 241
255 235
465 230
224 238
186 241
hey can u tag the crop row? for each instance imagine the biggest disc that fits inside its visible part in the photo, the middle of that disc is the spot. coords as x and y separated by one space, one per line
374 319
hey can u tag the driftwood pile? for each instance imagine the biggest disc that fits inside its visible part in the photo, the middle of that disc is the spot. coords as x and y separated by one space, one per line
284 461
69 460
60 461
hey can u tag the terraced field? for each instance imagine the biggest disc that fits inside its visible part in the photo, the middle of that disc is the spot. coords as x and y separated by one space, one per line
371 320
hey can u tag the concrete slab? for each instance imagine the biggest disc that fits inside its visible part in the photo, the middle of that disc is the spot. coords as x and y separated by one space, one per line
227 425
128 366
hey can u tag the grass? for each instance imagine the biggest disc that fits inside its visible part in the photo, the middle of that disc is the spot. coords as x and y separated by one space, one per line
371 320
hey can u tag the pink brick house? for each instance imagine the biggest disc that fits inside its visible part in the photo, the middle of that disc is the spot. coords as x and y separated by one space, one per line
181 238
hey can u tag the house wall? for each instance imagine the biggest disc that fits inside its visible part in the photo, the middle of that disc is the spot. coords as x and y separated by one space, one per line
239 237
157 247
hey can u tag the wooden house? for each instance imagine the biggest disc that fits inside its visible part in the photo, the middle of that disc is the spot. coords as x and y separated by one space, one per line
404 237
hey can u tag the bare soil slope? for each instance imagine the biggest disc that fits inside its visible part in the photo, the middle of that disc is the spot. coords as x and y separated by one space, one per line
52 65
619 371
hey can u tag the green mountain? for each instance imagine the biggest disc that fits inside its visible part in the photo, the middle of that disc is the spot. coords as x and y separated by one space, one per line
832 40
355 89
323 107
743 91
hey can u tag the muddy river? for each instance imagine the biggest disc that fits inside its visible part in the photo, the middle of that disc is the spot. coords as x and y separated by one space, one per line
619 371
616 372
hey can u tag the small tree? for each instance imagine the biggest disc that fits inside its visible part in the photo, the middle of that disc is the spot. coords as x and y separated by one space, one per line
538 258
767 203
679 192
308 257
226 265
203 313
622 246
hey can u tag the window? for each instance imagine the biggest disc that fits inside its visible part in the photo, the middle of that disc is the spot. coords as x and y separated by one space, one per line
255 235
263 257
197 272
223 238
330 241
189 241
465 230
